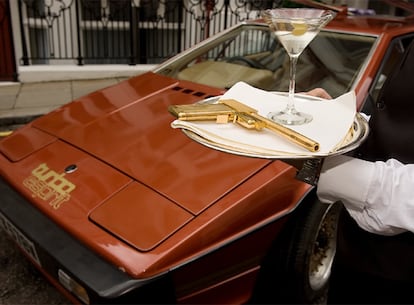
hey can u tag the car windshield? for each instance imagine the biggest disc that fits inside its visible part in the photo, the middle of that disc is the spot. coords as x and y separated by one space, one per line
252 53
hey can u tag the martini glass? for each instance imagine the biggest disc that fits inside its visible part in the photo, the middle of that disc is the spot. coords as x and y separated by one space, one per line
295 29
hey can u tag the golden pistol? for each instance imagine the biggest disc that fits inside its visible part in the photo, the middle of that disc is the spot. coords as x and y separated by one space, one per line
230 110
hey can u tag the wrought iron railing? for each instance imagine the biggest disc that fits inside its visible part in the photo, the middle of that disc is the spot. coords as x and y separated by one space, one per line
123 31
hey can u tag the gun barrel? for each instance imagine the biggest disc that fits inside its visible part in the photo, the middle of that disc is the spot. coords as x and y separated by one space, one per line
290 134
284 131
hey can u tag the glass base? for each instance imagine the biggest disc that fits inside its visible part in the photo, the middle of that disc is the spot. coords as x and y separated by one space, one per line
290 118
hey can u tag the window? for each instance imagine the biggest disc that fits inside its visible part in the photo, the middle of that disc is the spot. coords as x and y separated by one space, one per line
394 55
253 54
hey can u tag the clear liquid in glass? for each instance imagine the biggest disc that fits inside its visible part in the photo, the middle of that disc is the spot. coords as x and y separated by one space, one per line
295 29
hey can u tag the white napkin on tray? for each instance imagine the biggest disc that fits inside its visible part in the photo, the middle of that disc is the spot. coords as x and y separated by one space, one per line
332 120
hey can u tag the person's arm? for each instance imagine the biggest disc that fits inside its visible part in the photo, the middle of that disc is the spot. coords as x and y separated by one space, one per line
378 195
319 92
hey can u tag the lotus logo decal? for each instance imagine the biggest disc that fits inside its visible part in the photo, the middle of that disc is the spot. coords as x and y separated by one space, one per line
49 186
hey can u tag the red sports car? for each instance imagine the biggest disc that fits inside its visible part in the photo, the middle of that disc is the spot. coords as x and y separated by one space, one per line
115 206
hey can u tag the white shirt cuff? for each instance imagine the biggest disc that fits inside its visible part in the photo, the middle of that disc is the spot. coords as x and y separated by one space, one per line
345 178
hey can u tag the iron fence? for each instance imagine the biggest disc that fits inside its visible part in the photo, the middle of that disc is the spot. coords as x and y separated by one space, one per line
123 31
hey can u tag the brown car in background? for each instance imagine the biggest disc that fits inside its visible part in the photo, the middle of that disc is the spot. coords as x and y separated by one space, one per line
115 206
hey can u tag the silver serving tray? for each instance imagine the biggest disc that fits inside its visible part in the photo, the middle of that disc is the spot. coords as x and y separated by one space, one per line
360 133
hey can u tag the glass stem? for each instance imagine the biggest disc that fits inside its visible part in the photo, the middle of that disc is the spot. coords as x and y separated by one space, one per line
290 108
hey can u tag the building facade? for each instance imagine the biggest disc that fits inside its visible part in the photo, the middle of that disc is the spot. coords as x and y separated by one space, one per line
74 33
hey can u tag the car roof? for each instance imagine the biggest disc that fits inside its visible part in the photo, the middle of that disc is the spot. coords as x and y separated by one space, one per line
368 21
349 20
370 25
404 8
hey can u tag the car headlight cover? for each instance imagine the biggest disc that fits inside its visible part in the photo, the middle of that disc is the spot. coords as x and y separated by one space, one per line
73 286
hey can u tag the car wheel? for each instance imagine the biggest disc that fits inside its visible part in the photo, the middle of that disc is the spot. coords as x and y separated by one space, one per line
312 250
298 267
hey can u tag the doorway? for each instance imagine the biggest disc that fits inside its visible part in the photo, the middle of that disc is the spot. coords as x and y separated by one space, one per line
7 58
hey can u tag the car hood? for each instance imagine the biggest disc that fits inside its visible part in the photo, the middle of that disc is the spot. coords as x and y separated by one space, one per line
136 177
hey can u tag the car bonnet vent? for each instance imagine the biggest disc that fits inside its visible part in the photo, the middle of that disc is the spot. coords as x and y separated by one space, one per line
191 92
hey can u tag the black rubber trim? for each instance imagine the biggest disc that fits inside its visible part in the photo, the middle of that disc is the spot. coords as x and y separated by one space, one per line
59 250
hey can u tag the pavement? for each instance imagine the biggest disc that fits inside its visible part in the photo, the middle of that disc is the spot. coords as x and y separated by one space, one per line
20 102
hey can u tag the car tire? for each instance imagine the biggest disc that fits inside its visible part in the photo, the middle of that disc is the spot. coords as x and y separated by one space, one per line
298 266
